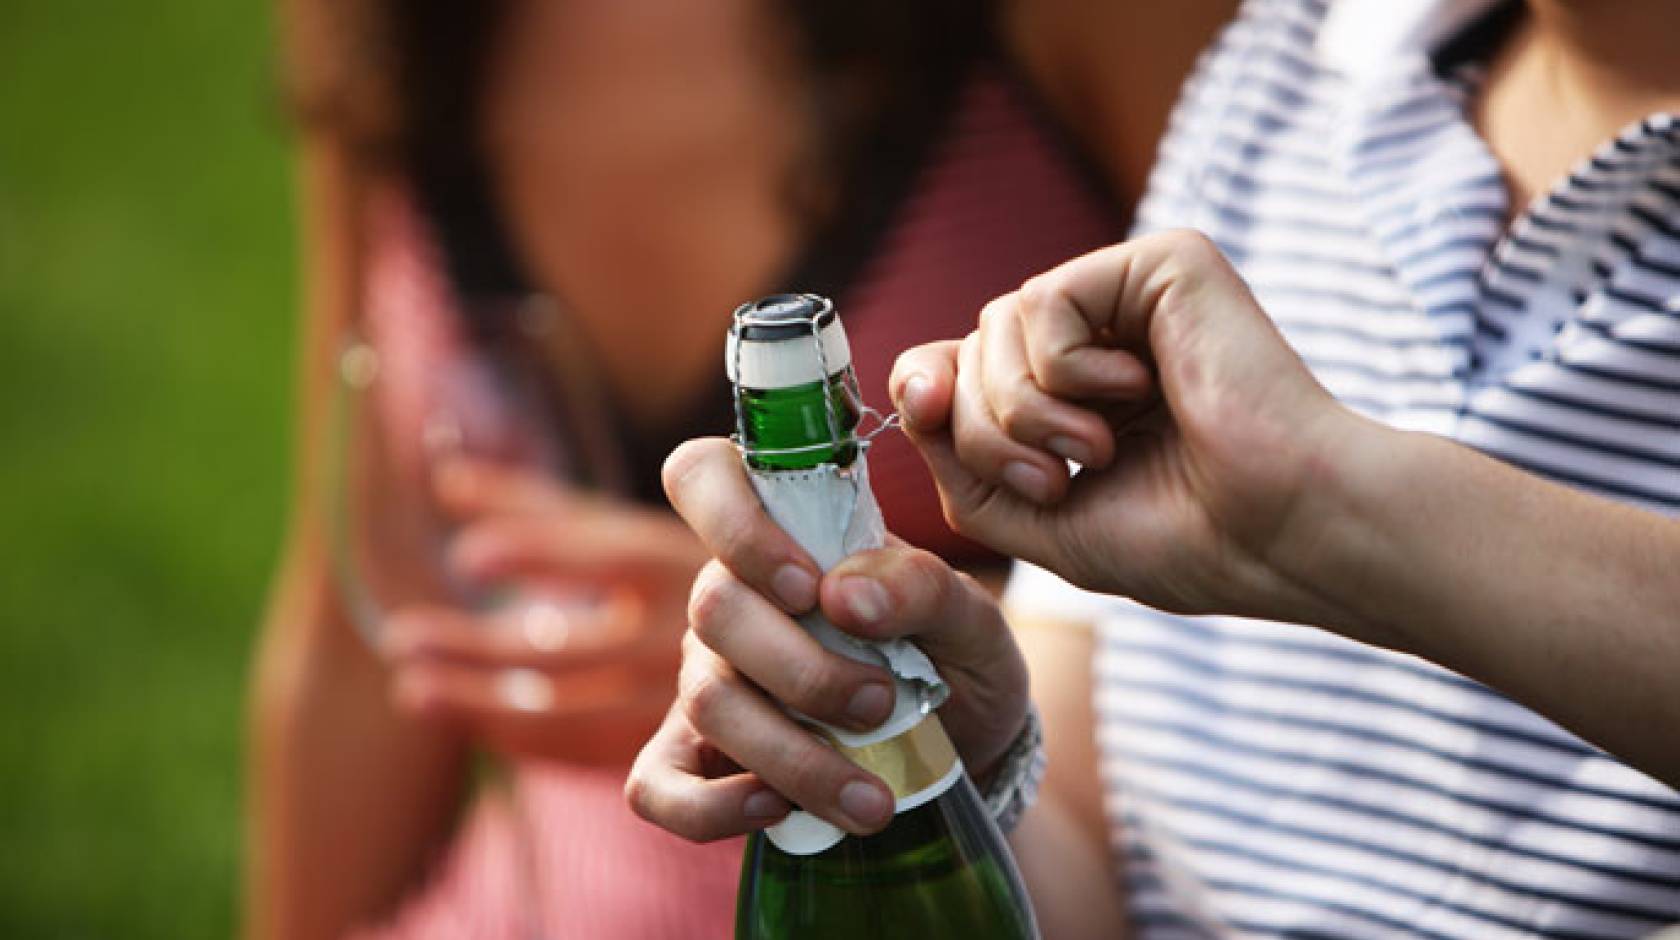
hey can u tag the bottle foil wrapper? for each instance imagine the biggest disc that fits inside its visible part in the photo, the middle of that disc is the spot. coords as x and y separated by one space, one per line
831 512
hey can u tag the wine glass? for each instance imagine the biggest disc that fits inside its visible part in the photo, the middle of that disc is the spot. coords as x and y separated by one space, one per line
497 384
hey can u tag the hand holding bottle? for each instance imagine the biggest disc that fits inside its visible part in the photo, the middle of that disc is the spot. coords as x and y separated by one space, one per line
1203 437
727 759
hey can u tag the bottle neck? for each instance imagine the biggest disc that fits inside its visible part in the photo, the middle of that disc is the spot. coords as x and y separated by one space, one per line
800 427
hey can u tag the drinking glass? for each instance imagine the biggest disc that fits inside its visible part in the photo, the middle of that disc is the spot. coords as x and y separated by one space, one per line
497 385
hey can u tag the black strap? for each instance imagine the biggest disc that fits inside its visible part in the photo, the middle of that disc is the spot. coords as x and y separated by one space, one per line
1476 43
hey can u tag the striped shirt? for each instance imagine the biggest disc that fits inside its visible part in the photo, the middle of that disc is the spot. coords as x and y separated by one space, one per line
1265 779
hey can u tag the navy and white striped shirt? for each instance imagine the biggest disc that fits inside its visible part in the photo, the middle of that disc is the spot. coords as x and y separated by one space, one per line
1266 779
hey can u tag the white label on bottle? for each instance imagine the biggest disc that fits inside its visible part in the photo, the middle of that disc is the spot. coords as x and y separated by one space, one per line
933 792
917 766
800 833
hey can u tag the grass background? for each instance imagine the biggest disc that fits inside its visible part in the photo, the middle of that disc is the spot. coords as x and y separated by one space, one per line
146 301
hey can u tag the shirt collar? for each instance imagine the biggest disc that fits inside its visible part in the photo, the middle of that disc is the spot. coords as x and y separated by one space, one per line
1364 38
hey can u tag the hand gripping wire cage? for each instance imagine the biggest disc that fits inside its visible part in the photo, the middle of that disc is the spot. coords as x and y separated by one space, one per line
748 316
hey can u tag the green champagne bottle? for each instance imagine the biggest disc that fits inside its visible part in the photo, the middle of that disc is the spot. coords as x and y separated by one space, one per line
941 868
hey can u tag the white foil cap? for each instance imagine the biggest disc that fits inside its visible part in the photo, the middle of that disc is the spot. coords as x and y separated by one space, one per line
772 345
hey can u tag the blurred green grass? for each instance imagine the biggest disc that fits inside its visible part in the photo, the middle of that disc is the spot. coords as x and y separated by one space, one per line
145 339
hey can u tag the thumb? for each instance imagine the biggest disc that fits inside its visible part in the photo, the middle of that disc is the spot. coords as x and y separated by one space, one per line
922 386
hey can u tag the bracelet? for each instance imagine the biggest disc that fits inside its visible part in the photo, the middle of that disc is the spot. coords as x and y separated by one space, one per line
1014 786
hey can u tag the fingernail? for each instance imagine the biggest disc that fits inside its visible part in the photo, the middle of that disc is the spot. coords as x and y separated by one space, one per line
866 599
794 587
1028 480
765 804
1069 448
913 397
865 804
869 705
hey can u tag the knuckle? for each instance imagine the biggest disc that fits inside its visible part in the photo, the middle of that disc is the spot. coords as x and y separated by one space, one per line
735 536
968 355
1036 292
1013 414
970 600
807 769
702 698
708 603
641 795
957 508
956 518
1188 246
637 793
927 581
692 646
812 685
996 310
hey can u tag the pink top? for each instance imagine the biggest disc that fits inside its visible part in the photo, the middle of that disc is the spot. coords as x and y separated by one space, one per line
597 871
998 200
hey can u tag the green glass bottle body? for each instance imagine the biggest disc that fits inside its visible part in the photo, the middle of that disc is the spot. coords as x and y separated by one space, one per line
940 869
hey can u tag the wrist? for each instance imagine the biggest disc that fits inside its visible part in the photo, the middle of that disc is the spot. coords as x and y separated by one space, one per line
1010 785
1333 542
983 774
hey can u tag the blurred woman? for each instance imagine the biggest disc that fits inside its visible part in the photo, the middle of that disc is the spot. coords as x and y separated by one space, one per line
582 192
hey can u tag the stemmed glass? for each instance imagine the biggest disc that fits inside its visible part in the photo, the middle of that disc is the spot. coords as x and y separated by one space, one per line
497 385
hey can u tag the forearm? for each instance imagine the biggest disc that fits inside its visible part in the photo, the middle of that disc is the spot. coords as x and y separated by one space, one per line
1567 602
348 800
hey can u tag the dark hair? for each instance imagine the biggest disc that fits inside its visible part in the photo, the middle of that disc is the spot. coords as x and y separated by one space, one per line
399 80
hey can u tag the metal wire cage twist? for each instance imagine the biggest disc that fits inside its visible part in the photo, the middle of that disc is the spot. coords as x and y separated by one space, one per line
744 319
